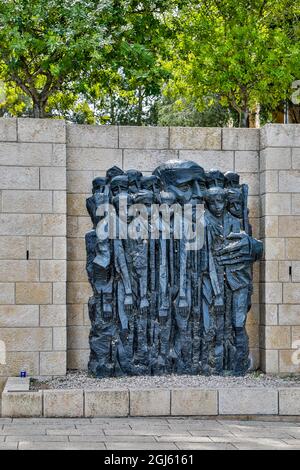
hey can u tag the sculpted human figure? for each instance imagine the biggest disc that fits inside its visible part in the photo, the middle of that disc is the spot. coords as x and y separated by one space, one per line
162 304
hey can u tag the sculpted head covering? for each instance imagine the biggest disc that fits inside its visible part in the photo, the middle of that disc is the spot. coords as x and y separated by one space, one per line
98 184
176 172
112 172
232 179
215 178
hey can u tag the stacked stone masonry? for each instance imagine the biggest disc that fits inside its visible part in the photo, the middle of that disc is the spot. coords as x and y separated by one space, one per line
46 169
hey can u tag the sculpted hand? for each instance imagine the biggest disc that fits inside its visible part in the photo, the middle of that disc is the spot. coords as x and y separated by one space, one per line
237 250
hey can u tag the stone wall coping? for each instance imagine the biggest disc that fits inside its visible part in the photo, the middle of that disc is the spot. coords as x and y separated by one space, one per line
192 401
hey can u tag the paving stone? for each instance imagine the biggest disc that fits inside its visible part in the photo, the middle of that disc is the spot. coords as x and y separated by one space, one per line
27 445
204 446
140 446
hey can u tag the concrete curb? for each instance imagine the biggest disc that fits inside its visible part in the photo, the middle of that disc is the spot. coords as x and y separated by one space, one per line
19 401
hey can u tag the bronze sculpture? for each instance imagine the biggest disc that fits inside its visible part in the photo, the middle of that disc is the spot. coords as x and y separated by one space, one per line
159 306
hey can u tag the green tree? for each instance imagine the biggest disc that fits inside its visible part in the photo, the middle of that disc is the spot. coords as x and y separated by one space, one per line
58 52
246 53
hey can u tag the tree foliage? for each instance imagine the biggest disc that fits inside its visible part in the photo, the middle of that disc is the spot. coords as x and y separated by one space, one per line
246 53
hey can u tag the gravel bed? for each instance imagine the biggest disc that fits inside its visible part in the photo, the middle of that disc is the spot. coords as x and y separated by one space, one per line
82 380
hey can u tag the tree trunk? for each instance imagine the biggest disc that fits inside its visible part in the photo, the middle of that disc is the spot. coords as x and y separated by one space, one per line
140 107
245 118
39 109
254 118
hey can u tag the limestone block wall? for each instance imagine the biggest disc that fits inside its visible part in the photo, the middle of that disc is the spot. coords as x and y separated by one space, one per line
33 246
280 293
46 170
91 150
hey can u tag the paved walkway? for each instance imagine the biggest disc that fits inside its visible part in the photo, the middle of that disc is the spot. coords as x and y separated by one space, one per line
147 433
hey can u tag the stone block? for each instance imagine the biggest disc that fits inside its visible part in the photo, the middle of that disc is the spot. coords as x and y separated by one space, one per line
253 333
143 137
277 337
271 293
63 403
150 402
78 358
221 159
269 181
53 178
296 158
194 402
12 177
59 202
92 136
78 292
276 204
246 161
79 181
75 315
33 293
77 204
19 316
252 180
269 270
59 248
197 138
289 181
270 361
269 314
284 271
8 129
295 271
22 404
254 206
21 270
40 247
27 339
59 155
77 271
253 316
289 401
289 361
101 403
41 130
289 226
275 159
274 250
296 204
7 294
16 361
84 225
94 159
76 249
25 154
293 249
289 314
31 202
52 315
240 139
54 224
59 293
269 226
147 160
291 293
59 339
72 227
278 135
296 336
23 224
53 363
248 401
13 247
53 271
78 337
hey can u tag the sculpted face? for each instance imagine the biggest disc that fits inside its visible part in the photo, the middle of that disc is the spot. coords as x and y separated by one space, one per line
235 202
216 201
